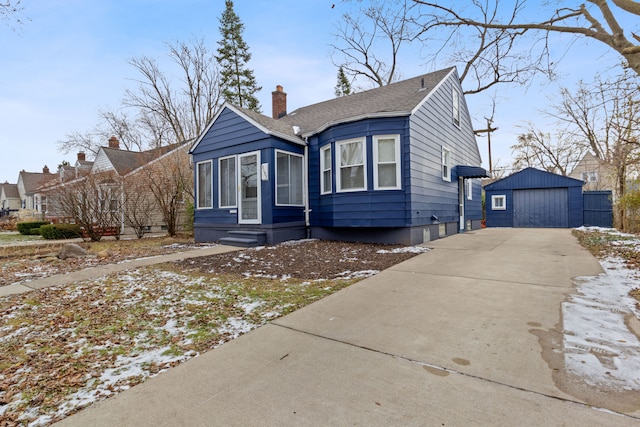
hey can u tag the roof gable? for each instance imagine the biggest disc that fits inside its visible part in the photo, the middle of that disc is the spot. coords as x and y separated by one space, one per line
31 181
123 161
533 178
10 190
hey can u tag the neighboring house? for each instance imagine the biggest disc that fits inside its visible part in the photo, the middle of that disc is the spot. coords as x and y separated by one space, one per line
395 164
596 174
534 198
33 202
81 167
9 198
123 174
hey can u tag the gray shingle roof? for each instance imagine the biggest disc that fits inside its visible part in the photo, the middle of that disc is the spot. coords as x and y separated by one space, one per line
11 190
400 97
125 161
34 180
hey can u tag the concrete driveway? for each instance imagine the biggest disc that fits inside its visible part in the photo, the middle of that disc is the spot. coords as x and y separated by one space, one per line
461 335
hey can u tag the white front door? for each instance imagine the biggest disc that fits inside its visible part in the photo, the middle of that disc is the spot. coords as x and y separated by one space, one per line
461 197
249 211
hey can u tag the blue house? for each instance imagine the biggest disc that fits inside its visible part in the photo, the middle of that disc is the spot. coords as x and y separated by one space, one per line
534 198
395 164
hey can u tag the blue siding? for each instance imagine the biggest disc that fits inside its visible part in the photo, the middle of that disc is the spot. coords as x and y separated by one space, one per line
431 129
597 208
533 179
367 208
233 135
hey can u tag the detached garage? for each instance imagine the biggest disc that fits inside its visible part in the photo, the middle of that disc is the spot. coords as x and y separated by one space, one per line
536 199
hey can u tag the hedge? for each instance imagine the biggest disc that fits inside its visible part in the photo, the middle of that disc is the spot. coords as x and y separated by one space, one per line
60 231
31 228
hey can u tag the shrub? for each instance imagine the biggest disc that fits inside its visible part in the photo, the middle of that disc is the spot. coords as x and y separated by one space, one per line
31 228
60 231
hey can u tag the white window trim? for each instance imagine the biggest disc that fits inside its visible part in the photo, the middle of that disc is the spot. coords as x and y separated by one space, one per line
235 177
198 185
338 156
324 168
503 206
397 162
455 113
446 177
275 195
469 185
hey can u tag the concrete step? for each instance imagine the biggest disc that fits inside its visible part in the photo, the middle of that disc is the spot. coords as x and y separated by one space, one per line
259 236
239 241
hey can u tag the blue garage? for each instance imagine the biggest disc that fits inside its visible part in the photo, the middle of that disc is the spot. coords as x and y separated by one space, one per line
533 198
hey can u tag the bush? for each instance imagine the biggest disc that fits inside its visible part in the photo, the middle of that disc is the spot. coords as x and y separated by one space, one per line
60 231
31 228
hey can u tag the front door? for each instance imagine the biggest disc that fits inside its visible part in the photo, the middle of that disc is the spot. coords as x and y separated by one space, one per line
249 211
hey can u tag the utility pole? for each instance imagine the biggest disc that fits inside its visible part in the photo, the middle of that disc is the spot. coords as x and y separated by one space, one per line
488 131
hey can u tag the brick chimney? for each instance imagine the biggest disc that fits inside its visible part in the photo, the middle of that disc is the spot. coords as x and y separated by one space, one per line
279 103
81 156
114 143
45 169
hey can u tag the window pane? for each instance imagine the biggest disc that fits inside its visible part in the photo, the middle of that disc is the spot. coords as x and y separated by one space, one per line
386 150
351 154
326 181
228 182
325 164
326 157
387 175
295 180
352 177
204 185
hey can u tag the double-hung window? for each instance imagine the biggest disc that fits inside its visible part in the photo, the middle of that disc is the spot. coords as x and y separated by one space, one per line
386 159
289 179
351 160
325 170
227 189
446 164
205 185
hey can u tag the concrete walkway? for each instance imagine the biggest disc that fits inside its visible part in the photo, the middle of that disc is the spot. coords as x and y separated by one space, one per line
447 338
104 270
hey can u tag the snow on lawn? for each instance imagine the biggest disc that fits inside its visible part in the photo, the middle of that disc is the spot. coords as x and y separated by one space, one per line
598 346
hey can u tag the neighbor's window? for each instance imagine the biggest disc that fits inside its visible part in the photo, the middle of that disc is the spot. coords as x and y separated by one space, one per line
499 203
351 159
446 164
590 176
386 159
469 186
205 184
325 169
456 107
227 182
289 178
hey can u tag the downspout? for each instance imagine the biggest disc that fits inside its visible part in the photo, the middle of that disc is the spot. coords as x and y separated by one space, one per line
305 178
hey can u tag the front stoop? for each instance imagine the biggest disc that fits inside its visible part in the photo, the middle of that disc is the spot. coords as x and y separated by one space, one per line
245 239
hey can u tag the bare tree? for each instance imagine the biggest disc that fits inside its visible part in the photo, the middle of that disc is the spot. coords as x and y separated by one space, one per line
171 183
10 11
159 111
93 202
185 111
594 19
368 42
139 205
541 150
604 118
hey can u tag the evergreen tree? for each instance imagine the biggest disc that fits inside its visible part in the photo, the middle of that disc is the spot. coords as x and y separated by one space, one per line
343 87
237 81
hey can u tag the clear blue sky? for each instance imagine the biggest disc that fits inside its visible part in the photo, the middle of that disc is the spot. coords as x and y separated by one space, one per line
69 59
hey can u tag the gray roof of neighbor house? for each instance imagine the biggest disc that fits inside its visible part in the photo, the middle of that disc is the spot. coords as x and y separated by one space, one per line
34 180
10 190
126 161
